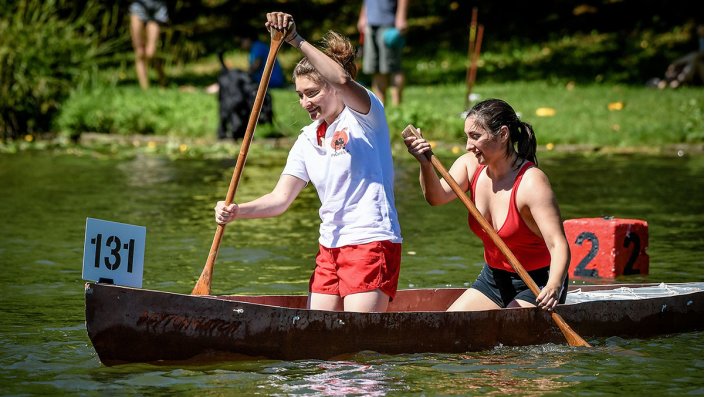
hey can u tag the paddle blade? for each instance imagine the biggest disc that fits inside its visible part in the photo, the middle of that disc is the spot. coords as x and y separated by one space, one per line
203 286
571 336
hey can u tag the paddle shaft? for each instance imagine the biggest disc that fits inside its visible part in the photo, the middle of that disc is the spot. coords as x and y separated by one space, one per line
571 336
203 286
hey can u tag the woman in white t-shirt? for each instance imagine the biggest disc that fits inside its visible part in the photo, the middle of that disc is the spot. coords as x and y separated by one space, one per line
345 153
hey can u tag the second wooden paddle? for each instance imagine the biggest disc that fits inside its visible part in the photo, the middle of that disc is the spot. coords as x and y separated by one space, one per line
203 285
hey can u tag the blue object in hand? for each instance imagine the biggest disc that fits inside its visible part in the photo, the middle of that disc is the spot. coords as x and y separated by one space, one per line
393 38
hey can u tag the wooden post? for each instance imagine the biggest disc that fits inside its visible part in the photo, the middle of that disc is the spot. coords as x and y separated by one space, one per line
471 46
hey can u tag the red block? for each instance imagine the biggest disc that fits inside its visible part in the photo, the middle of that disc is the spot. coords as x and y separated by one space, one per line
607 247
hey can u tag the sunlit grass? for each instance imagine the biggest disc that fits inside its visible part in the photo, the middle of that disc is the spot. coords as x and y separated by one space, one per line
595 114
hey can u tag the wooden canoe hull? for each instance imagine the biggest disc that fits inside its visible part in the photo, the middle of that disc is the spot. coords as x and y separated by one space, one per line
135 325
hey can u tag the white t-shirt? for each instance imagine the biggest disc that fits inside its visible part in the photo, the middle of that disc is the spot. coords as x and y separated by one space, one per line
353 174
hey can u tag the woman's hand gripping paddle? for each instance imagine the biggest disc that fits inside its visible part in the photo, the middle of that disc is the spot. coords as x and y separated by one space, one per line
203 286
571 336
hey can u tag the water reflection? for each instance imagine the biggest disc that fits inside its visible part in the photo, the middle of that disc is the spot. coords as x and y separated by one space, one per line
146 171
330 378
505 371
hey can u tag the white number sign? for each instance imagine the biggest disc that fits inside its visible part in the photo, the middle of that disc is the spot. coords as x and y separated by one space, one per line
114 252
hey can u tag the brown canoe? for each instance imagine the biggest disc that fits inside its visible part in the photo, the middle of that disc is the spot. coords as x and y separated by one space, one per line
136 325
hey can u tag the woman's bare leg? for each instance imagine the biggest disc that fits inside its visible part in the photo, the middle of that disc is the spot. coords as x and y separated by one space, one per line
520 303
365 302
472 300
328 302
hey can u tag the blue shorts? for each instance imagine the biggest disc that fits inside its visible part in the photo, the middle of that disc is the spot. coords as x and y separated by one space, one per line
502 287
150 10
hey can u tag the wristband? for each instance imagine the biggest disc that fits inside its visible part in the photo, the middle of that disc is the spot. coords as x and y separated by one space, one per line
294 39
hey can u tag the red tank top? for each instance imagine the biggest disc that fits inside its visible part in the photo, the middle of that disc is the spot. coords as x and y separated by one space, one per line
529 249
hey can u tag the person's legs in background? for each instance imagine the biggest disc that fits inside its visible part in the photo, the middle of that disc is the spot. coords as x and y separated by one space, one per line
384 63
390 63
380 82
397 88
145 18
137 28
151 50
373 61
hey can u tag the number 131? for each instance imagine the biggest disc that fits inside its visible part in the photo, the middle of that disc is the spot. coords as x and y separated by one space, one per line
114 259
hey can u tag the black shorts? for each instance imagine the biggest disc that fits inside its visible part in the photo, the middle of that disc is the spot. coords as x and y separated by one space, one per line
502 287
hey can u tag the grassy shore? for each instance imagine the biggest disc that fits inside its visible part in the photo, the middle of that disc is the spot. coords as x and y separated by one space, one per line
562 114
182 118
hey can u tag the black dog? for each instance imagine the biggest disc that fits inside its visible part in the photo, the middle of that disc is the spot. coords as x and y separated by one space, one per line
236 96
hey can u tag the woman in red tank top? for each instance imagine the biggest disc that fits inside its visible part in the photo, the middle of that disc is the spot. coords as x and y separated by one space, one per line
501 174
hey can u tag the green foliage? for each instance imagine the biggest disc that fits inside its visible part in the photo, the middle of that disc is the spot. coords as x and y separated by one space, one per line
49 48
130 110
626 41
602 40
431 109
640 115
165 112
42 57
585 58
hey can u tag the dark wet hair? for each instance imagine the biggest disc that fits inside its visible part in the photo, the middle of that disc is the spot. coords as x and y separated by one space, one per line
336 46
492 114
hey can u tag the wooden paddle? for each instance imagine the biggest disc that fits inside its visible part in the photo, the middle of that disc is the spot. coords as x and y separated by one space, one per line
203 286
571 336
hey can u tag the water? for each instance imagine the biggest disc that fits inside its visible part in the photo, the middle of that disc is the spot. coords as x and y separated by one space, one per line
45 199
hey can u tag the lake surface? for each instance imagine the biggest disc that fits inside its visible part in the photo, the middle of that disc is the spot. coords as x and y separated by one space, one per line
44 349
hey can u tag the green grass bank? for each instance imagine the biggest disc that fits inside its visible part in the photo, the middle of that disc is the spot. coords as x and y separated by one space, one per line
562 114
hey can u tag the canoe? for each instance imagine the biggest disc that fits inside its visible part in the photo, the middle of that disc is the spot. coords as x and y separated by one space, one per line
138 325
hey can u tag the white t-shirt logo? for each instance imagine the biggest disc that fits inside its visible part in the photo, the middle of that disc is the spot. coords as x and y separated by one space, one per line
340 139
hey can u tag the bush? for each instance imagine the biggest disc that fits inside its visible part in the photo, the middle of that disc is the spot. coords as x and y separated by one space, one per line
187 113
43 56
129 110
584 58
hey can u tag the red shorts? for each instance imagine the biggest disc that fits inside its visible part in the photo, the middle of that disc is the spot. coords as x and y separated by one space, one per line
357 268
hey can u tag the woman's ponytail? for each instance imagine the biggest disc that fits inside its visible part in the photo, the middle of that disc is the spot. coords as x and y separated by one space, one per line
526 142
337 47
